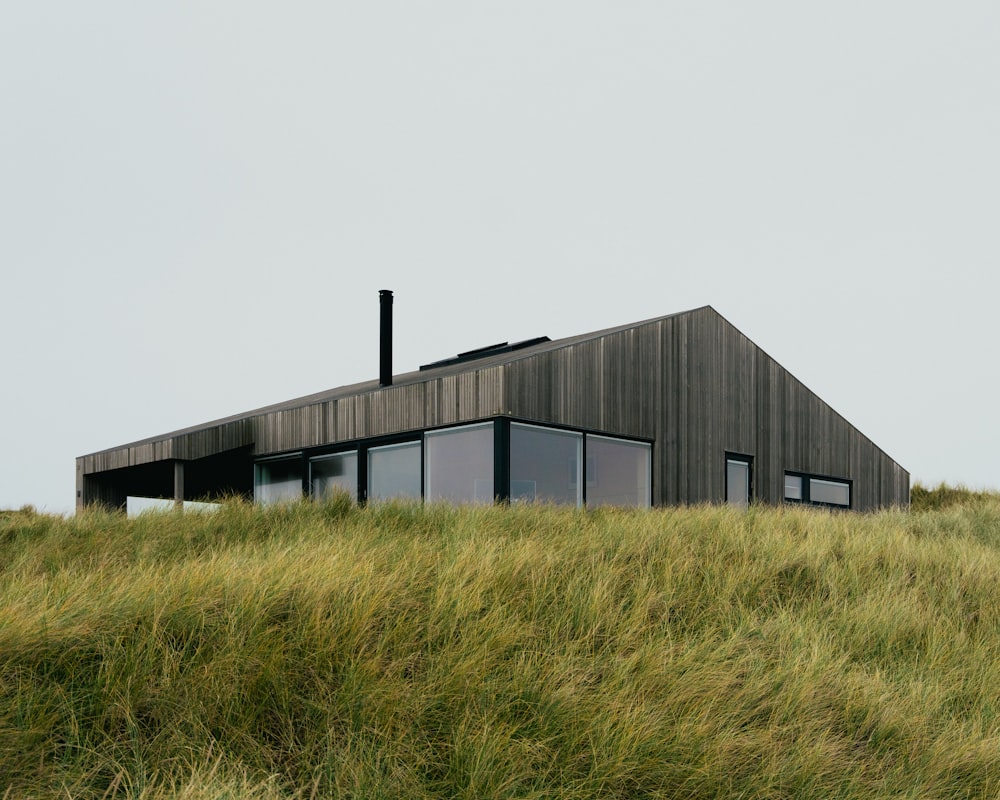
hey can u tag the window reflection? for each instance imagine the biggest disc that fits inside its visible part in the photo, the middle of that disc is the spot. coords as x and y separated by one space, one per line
545 464
831 492
334 472
278 481
458 464
617 472
394 471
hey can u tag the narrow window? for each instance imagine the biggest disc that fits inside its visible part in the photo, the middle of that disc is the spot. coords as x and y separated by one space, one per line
831 493
738 484
817 491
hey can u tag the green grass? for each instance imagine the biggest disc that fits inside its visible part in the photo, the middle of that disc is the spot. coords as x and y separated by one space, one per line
405 651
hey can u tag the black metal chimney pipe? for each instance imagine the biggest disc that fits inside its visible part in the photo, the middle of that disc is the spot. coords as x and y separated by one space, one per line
385 337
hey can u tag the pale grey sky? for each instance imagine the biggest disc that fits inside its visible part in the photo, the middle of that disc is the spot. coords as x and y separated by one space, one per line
200 201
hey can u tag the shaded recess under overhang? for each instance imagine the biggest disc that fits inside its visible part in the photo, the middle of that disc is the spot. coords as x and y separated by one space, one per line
213 477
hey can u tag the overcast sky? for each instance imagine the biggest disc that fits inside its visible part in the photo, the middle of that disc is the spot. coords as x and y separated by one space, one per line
200 201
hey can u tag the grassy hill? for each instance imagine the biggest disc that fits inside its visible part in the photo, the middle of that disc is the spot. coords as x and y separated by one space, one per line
407 651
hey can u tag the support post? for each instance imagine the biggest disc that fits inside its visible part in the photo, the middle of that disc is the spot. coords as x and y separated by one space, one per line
501 460
178 485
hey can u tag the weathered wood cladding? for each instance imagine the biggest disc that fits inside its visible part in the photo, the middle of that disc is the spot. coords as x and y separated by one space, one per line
186 446
107 477
606 384
772 416
450 399
394 409
692 383
227 473
699 388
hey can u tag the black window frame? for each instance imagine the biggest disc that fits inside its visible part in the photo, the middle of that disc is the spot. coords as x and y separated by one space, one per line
291 455
501 454
806 490
364 445
743 458
310 457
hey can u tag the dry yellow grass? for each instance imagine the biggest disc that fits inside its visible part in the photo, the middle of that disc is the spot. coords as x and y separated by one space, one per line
409 651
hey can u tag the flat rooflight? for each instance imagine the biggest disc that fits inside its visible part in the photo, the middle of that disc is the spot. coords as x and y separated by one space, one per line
483 352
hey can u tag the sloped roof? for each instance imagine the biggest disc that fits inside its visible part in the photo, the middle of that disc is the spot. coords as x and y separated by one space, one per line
407 378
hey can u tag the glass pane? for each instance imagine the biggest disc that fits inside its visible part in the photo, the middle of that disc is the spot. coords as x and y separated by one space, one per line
617 472
833 492
277 481
737 482
545 464
458 464
329 473
134 506
793 487
394 471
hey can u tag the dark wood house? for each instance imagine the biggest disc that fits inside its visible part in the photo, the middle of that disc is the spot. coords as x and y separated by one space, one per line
679 409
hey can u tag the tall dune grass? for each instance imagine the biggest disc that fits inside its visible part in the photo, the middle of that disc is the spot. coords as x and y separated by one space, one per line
924 498
322 650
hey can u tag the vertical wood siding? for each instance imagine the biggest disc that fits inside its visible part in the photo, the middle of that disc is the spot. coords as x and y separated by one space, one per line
699 388
394 409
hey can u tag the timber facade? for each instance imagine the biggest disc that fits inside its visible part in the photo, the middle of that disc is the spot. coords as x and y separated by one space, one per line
682 409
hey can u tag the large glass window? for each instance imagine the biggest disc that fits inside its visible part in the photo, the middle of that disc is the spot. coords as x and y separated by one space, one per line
617 472
277 480
738 481
545 464
338 471
394 471
458 464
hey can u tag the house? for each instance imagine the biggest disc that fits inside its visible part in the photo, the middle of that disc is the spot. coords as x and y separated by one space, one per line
680 409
